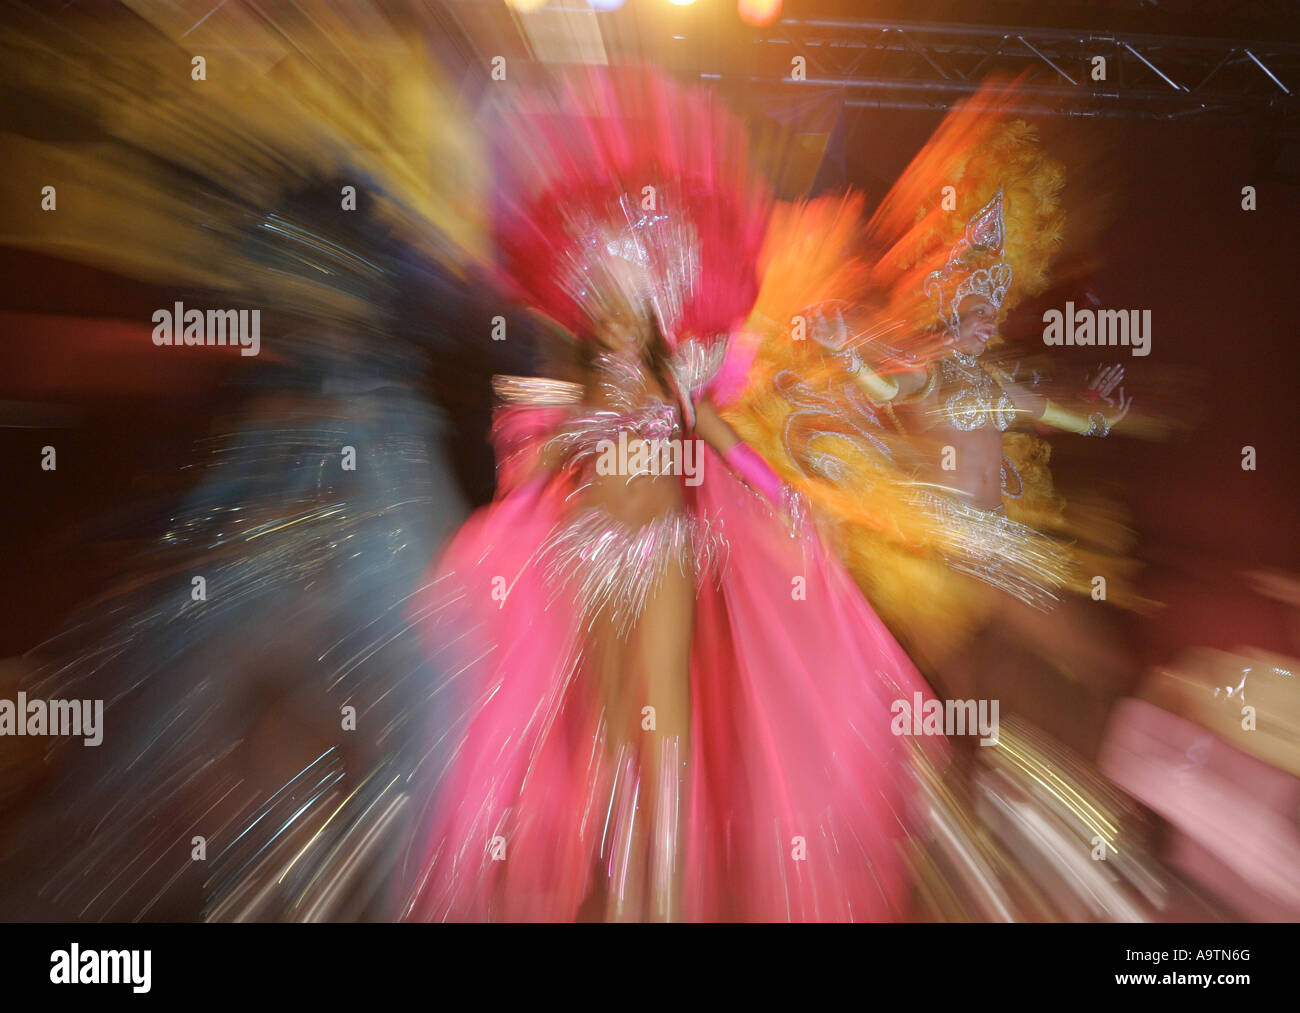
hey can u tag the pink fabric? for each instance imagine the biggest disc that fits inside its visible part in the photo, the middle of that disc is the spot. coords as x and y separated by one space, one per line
730 382
1237 808
519 435
793 678
749 466
797 789
517 690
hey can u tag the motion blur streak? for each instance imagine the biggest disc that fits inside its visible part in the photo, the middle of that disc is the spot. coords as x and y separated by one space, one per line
374 637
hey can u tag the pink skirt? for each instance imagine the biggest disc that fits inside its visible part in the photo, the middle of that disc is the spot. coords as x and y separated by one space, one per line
796 803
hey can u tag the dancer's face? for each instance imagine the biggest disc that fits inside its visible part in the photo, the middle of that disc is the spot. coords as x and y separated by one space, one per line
621 331
977 323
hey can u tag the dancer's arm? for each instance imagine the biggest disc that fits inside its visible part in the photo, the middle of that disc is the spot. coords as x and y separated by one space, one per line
831 331
881 387
713 429
739 456
1048 412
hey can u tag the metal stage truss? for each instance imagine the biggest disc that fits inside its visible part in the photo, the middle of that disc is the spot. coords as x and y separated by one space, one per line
924 65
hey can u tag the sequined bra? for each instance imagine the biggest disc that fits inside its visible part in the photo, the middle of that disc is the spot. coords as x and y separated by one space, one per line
975 400
608 567
626 408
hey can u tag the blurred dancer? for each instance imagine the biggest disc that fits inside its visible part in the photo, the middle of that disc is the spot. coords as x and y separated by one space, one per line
873 392
960 410
226 712
261 735
675 704
875 389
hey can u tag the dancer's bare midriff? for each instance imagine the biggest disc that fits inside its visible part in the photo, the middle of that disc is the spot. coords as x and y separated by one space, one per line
975 457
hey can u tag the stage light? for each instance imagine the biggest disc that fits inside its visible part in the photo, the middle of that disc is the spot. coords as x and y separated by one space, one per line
606 5
759 12
681 3
526 6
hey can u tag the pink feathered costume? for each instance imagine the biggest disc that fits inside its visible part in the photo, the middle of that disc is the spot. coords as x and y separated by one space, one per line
793 800
796 789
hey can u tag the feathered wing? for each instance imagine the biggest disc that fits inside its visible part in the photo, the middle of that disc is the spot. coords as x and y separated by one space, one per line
852 453
803 412
620 186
